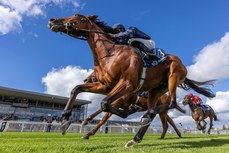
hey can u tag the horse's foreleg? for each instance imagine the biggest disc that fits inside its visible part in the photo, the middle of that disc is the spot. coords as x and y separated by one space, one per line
120 93
198 126
173 125
164 124
88 87
92 116
205 123
95 87
92 132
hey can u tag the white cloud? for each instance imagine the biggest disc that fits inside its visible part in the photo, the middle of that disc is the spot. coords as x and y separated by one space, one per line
62 81
9 20
212 61
12 12
220 103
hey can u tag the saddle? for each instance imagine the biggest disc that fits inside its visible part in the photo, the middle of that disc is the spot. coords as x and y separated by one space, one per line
205 108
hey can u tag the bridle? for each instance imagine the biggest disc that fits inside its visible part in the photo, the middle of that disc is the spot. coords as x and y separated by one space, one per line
68 26
186 100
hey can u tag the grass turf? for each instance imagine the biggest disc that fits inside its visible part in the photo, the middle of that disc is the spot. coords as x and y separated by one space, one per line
34 142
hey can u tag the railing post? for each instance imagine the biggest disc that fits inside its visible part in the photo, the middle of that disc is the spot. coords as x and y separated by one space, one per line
22 127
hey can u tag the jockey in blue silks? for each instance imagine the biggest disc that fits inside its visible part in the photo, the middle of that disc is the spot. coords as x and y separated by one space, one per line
133 36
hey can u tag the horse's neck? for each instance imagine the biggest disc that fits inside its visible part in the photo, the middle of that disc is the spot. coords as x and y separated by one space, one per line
100 45
192 106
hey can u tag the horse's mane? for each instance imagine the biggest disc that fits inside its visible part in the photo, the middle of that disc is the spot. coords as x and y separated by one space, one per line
104 26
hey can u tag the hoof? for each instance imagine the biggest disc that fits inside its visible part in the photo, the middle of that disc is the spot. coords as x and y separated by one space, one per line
130 144
105 106
64 126
124 115
199 128
86 137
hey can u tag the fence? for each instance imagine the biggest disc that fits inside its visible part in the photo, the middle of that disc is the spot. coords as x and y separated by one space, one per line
16 126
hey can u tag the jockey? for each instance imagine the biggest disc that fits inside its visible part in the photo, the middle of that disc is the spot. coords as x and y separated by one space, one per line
196 100
133 36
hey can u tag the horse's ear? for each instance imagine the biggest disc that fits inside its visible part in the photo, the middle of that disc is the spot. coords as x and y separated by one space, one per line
92 17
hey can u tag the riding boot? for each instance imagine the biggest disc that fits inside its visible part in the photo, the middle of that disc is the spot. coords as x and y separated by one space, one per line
146 50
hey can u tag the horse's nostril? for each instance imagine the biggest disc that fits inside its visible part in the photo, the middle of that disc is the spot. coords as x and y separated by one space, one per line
51 20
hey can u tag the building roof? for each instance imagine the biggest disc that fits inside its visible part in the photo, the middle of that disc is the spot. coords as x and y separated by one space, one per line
5 91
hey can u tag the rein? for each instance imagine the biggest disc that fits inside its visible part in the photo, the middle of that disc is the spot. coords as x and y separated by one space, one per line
68 24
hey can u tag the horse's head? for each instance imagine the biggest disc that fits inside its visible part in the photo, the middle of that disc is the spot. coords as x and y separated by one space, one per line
76 25
186 100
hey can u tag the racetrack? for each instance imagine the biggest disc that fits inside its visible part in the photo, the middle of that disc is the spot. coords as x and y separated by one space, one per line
32 142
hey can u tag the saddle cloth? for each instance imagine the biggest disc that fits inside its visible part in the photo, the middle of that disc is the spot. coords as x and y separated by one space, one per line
151 62
206 108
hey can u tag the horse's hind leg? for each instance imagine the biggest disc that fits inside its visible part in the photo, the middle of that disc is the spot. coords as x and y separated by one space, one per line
173 125
93 131
172 85
92 116
211 124
164 124
148 116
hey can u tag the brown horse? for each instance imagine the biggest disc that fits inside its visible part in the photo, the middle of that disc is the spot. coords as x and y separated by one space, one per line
141 103
119 70
199 114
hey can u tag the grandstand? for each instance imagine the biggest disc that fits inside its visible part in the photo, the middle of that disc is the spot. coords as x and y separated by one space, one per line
32 106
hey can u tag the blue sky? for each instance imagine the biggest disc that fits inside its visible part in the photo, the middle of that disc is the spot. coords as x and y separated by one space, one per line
36 59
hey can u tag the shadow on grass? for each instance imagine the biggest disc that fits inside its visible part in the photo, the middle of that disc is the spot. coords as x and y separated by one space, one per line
193 144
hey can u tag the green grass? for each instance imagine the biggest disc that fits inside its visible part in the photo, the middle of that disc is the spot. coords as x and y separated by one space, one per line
11 142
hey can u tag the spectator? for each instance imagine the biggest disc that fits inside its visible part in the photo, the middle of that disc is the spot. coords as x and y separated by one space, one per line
49 125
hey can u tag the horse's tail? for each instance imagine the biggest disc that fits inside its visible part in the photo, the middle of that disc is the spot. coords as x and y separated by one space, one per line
195 85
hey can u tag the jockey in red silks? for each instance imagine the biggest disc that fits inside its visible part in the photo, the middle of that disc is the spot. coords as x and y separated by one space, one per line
196 100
